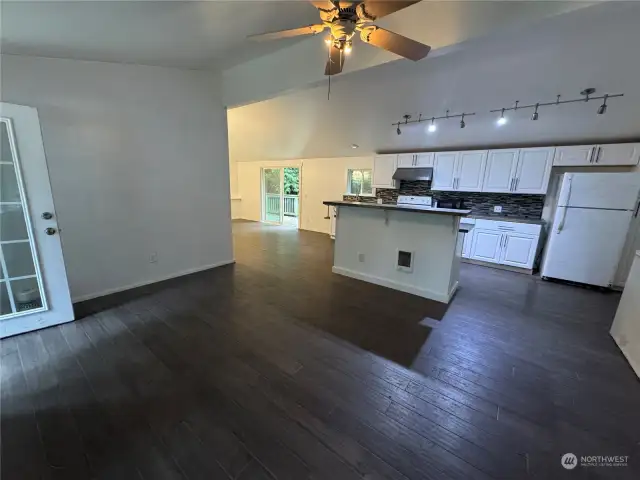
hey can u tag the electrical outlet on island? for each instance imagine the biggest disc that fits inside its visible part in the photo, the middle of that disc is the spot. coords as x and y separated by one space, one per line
497 209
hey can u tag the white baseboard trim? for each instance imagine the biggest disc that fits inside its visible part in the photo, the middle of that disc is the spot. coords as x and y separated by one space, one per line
182 273
383 282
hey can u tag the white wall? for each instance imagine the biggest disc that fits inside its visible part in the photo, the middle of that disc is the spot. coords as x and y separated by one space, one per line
138 163
321 179
591 47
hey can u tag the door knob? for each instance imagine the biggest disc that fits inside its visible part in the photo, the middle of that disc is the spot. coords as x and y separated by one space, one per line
47 215
50 231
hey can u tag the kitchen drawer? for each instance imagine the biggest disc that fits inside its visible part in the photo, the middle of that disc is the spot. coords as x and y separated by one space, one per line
526 228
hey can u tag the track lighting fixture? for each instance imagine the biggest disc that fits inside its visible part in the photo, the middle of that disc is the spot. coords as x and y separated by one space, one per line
603 108
586 97
502 120
432 125
535 114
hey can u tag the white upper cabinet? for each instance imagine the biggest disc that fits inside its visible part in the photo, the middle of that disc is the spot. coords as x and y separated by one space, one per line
533 170
500 171
384 166
414 160
470 168
406 160
525 170
424 159
617 154
574 156
597 155
459 171
444 169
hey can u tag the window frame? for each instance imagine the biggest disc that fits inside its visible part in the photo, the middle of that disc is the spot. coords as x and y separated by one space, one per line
348 182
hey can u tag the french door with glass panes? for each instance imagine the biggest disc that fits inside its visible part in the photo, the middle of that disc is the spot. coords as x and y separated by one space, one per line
34 292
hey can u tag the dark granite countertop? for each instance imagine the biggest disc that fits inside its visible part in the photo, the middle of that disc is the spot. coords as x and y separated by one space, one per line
402 208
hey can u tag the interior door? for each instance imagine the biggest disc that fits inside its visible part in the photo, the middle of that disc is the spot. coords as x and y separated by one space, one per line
34 292
519 250
500 170
444 168
470 171
534 170
486 246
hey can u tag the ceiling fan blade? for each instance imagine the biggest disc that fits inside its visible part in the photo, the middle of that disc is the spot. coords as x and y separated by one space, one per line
375 9
294 32
392 42
324 4
335 61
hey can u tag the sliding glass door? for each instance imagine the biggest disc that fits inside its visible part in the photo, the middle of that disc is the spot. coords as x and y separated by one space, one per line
280 195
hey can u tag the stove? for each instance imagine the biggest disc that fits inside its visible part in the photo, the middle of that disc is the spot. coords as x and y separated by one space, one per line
415 201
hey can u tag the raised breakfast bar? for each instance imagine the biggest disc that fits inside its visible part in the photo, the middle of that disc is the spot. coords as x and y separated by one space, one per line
408 248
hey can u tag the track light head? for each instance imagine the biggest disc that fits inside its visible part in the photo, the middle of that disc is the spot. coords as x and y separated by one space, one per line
398 131
603 108
462 124
502 120
535 114
432 127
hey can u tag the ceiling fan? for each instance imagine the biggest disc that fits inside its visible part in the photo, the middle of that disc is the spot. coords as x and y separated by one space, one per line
344 19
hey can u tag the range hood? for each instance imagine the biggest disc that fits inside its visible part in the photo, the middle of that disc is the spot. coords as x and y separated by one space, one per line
421 173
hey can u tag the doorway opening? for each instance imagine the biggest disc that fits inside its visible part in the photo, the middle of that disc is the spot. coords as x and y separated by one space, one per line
281 196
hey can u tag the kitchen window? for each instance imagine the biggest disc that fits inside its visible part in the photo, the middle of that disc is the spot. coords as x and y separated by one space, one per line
359 182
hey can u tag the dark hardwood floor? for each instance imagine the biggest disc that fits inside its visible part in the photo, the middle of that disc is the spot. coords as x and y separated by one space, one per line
275 368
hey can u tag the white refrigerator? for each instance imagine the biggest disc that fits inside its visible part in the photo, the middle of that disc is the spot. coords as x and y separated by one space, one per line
590 225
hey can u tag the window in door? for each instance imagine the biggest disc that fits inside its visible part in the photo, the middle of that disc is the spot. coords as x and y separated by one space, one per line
359 182
20 283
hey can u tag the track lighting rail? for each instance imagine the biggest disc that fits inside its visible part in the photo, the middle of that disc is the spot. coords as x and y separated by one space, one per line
586 98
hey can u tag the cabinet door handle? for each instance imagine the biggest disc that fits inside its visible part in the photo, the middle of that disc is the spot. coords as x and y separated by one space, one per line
598 152
591 150
511 185
515 188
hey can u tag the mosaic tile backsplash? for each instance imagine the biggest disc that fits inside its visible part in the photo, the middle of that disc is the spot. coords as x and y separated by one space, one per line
517 206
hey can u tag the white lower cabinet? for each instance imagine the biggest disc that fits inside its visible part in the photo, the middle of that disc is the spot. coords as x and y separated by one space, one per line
486 245
505 243
518 250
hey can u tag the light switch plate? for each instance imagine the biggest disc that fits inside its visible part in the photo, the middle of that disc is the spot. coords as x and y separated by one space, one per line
497 209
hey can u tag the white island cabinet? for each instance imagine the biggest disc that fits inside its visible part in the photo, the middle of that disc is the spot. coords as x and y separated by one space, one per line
626 325
414 250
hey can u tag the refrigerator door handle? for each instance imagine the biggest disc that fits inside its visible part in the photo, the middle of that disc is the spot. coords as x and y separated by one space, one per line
564 217
637 208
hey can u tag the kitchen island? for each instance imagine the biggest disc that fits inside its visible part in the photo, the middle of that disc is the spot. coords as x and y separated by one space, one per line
412 249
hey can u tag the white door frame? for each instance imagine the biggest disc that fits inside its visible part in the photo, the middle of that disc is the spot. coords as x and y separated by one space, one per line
25 139
280 167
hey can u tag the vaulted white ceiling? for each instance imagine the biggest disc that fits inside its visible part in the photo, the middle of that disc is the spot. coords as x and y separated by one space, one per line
186 34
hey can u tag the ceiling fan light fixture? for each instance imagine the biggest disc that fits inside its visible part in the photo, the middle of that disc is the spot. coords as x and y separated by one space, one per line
328 41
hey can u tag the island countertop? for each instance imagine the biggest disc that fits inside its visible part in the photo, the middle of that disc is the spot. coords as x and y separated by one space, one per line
402 208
